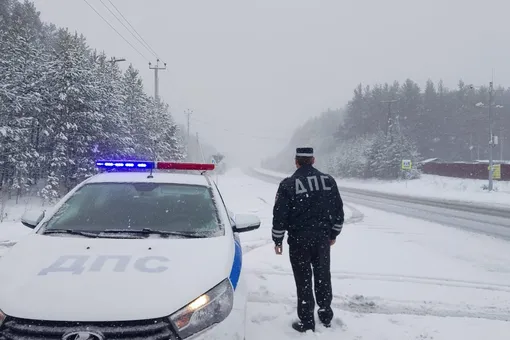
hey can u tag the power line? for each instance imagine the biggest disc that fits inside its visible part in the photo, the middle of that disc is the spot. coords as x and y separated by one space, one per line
140 53
146 44
116 17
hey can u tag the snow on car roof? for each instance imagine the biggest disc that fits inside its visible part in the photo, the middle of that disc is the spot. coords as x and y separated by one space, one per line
158 177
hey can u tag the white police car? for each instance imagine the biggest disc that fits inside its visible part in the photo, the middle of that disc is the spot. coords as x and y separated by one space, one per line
129 255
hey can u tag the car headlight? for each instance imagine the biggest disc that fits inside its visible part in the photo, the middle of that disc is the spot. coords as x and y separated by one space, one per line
2 318
208 309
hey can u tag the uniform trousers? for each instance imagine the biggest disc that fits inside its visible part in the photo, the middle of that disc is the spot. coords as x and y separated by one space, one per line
309 253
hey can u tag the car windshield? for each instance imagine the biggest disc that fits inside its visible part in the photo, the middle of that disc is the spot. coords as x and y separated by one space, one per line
172 208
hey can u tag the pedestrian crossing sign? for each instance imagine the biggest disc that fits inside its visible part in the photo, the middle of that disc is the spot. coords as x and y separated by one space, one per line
407 164
496 171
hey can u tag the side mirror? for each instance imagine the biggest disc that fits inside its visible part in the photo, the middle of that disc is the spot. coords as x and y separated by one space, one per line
246 222
32 218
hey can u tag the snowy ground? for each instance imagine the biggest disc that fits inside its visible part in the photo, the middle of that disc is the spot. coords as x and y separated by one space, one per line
393 277
448 188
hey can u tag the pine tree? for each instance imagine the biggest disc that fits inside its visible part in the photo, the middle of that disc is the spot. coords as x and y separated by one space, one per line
114 140
164 139
62 106
24 72
385 155
136 107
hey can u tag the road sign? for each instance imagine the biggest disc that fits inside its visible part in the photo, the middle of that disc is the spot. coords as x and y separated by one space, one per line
407 164
496 171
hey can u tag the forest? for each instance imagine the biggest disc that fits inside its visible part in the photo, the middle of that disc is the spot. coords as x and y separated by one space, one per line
385 123
63 105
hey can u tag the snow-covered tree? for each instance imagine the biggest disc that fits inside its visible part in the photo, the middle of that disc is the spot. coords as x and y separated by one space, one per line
385 155
63 105
23 67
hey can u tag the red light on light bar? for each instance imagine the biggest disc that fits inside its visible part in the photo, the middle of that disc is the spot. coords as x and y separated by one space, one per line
184 166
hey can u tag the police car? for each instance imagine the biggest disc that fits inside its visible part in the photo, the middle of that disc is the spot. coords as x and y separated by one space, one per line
145 251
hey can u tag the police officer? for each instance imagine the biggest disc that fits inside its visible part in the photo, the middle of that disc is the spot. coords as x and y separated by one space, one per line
309 207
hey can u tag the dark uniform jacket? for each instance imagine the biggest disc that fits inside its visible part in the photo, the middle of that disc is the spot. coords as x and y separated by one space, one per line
308 200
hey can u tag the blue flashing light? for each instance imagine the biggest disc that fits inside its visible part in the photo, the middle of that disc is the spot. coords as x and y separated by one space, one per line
114 164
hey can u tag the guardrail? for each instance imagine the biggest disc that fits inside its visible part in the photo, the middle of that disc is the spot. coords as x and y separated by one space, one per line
479 208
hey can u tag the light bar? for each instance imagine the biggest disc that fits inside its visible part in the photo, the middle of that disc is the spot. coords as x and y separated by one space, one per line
119 164
184 166
113 164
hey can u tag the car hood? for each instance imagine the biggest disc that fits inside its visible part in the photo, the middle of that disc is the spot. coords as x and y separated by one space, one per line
82 279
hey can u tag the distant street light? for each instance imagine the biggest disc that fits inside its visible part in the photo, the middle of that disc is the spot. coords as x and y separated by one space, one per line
114 60
492 141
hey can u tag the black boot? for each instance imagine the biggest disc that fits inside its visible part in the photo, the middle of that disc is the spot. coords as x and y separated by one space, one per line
301 327
325 316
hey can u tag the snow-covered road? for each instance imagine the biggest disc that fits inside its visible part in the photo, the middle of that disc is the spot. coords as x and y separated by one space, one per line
487 218
394 277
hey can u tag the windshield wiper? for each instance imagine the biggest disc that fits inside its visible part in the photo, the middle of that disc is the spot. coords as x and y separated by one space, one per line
149 231
70 231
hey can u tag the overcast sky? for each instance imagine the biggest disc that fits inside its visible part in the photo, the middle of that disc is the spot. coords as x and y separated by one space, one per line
254 70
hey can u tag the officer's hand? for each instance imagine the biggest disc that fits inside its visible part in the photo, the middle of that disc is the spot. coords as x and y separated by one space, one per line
278 250
331 242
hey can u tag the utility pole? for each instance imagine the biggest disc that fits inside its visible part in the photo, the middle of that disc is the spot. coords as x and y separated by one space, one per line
471 146
188 113
501 138
389 123
156 78
491 138
199 146
492 141
113 61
